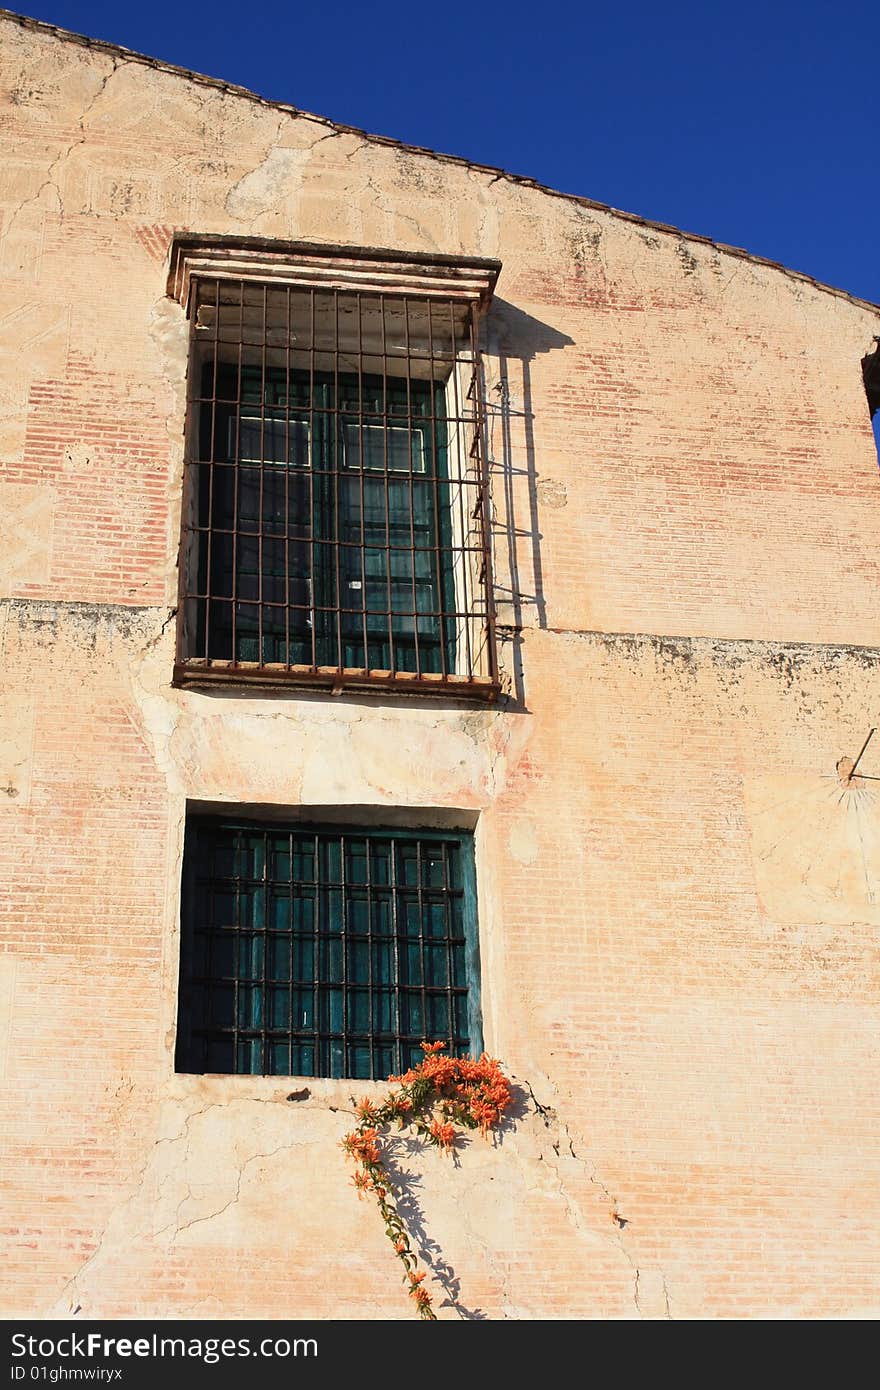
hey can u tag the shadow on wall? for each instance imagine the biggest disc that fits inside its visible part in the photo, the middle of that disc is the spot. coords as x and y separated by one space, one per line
871 376
514 339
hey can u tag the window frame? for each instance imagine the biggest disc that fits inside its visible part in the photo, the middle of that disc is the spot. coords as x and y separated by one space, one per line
461 549
193 913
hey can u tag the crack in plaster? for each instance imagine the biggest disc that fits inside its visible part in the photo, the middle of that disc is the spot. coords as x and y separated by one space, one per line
497 750
271 146
71 1291
153 641
551 1120
137 1186
510 1310
390 211
196 80
178 1226
485 239
260 189
160 717
64 155
509 1306
331 135
561 1144
169 332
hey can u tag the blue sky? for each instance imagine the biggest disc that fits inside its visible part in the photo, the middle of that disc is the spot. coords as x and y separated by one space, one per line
754 124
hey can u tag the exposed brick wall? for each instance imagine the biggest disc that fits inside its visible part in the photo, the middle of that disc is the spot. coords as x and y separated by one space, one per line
97 441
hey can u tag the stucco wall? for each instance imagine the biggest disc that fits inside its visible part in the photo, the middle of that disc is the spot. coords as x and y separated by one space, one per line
679 898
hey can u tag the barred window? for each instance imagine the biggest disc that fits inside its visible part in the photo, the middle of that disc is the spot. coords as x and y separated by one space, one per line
318 951
336 523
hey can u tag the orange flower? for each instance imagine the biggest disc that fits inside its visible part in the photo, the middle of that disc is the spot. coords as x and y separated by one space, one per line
444 1134
369 1146
363 1145
405 1079
421 1296
366 1110
416 1279
432 1047
363 1182
400 1245
441 1070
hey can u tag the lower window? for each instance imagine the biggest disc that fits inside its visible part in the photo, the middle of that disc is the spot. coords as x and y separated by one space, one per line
321 951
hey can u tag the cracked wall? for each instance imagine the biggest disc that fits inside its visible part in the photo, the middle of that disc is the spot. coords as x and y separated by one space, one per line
678 895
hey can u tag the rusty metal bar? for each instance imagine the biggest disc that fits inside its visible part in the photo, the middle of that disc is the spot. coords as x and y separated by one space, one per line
334 467
852 771
287 400
311 455
412 520
392 665
439 553
463 609
485 516
362 470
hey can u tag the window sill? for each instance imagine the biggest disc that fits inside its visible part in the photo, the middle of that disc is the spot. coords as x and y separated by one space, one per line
309 1092
199 672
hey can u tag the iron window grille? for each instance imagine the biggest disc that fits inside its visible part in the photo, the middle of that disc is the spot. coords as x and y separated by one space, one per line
336 525
318 951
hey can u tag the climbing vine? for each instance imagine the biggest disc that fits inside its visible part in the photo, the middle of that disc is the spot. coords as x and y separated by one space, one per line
432 1098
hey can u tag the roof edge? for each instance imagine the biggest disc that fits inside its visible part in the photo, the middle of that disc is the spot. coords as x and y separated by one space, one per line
522 180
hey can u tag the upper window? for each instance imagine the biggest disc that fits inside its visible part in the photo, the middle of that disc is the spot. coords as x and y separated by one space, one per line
317 951
336 518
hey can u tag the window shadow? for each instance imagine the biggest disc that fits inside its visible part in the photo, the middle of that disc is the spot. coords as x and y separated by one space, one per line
407 1203
871 377
405 1185
512 339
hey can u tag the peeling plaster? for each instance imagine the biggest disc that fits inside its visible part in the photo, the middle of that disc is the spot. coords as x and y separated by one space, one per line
157 1209
216 1170
269 185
